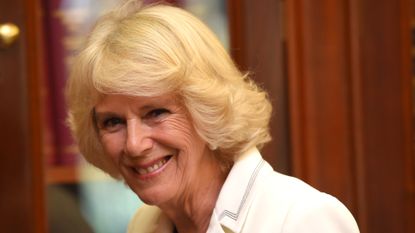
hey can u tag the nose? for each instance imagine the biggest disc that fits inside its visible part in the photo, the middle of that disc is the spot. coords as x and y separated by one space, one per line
138 141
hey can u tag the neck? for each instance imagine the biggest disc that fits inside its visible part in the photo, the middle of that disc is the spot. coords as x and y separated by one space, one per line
192 212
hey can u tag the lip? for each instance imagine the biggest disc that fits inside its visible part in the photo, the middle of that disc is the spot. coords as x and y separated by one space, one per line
134 170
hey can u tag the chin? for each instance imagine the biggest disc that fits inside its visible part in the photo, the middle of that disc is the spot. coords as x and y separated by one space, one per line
152 196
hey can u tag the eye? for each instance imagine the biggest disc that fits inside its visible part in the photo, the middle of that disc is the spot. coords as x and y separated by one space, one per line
157 113
110 124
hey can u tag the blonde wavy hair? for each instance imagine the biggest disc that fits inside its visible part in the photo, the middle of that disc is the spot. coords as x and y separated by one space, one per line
153 50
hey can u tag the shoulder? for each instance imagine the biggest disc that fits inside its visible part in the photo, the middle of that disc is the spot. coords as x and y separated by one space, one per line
298 207
145 220
319 213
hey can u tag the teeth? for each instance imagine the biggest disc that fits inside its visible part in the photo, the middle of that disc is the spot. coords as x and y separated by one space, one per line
141 171
154 167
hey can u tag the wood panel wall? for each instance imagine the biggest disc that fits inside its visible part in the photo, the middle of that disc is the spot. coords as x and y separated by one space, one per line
350 83
348 97
21 171
257 45
320 100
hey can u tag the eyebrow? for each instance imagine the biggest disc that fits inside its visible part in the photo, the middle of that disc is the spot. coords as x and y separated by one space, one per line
99 115
164 103
96 115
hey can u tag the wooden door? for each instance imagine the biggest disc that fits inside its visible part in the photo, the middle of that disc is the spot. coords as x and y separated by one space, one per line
21 196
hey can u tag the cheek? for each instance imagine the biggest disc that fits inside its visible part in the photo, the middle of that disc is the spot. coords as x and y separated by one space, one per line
112 144
187 138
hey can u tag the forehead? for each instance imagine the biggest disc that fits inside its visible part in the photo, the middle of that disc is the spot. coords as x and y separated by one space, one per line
114 102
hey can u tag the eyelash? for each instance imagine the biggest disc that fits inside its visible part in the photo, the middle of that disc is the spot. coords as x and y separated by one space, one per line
111 122
155 113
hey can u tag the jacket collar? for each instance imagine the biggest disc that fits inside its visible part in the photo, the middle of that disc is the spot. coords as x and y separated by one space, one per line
238 192
235 197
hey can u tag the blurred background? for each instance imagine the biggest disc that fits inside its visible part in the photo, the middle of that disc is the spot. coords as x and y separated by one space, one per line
340 74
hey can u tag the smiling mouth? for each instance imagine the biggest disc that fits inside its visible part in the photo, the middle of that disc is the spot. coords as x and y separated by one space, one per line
152 168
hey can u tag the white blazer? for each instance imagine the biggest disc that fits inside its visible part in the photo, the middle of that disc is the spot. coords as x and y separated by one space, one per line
256 199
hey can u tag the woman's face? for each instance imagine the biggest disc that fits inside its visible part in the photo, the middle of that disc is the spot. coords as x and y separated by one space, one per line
154 145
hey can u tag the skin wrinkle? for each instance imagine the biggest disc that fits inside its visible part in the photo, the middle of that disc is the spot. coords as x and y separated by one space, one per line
188 196
188 186
193 202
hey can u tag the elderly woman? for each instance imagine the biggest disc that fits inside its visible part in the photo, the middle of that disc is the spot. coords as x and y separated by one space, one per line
155 100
